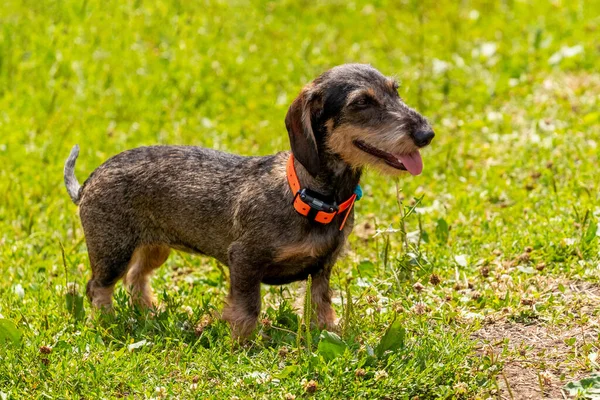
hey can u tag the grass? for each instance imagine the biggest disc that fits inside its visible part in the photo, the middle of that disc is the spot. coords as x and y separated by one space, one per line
499 234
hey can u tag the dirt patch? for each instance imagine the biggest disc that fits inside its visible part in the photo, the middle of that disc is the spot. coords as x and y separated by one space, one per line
540 359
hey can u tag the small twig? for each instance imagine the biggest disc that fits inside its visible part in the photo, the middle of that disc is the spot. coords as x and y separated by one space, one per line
25 319
540 382
347 310
507 386
283 329
554 187
402 217
420 232
386 251
299 336
64 261
308 312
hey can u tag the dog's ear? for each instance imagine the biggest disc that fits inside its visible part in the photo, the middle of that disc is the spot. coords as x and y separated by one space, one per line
298 122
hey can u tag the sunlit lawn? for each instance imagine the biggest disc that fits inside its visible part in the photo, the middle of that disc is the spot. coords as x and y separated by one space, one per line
500 232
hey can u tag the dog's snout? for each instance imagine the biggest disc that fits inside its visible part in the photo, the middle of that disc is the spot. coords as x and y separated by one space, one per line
423 138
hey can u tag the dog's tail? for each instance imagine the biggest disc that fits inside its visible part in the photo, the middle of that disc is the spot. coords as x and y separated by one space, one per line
73 186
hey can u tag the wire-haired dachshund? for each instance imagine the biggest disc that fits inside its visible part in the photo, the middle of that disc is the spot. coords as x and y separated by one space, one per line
274 219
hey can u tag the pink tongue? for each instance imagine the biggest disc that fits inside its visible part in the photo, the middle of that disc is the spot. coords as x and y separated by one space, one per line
413 162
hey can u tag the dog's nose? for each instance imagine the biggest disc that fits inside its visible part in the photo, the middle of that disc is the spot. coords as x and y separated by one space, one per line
423 138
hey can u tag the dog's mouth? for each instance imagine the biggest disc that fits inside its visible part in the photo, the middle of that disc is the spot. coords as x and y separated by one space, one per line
411 162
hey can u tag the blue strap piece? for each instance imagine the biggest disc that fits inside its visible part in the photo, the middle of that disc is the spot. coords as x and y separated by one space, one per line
358 192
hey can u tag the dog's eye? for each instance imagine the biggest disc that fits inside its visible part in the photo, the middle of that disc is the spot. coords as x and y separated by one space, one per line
361 101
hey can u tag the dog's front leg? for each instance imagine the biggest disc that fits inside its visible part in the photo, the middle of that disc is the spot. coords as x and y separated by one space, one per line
321 298
243 303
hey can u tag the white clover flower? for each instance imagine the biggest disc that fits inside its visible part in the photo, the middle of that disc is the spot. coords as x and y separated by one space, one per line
380 375
19 291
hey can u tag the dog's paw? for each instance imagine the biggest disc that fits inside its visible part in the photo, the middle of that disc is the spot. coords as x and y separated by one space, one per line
330 324
326 319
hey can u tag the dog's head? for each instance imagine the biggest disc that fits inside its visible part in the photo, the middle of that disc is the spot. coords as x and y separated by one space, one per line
354 112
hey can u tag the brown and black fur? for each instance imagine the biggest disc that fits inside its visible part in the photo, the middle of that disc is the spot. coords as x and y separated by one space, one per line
141 203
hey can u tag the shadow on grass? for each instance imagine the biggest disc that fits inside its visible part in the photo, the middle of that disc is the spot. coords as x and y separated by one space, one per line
199 326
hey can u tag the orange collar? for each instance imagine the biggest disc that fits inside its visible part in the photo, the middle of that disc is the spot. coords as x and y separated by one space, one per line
311 207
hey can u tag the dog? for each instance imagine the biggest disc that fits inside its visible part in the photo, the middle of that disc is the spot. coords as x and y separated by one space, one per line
273 219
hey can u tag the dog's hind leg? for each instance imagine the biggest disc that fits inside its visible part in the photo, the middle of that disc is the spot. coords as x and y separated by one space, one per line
107 269
145 259
110 248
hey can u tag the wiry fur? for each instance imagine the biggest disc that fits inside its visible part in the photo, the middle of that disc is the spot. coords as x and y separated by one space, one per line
142 202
